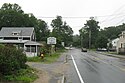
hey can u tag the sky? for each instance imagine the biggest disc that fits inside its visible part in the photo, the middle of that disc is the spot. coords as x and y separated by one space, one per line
75 12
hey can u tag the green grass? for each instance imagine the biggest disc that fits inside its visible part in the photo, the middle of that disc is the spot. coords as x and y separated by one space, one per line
47 59
112 53
22 76
34 59
116 53
52 58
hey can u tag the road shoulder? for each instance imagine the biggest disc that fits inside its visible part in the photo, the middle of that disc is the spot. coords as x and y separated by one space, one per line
51 73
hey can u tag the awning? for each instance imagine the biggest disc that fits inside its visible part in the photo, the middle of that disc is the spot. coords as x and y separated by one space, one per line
33 43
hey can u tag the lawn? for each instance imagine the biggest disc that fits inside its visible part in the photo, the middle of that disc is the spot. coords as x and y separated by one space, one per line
47 58
21 76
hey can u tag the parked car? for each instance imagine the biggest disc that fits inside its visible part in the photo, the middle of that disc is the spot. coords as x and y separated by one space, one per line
83 49
102 49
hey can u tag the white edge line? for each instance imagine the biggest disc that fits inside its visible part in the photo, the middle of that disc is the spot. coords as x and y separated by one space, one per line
80 77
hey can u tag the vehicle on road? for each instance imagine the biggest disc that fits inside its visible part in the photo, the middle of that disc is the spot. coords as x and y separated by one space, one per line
83 49
102 49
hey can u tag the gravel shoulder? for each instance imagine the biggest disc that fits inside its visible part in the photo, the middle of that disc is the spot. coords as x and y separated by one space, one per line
51 73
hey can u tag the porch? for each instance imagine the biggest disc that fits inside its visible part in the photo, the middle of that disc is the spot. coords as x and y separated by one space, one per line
32 48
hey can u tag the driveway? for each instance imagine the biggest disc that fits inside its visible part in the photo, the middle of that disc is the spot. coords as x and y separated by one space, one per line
51 73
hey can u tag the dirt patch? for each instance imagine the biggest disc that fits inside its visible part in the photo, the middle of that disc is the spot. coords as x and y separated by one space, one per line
62 68
51 73
43 77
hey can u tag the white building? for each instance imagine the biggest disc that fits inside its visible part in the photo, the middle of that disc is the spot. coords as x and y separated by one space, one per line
121 43
114 43
22 37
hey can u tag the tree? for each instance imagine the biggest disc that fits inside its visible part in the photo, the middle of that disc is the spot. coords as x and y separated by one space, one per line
12 15
101 41
11 60
42 31
76 41
15 7
90 33
57 25
61 31
67 34
84 37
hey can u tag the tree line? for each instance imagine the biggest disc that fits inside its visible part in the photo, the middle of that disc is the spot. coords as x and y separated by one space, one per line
11 15
99 37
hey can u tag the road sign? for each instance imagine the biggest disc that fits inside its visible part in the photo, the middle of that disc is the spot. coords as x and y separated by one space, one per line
51 40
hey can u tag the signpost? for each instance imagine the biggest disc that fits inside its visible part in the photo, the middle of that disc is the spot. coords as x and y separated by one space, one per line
51 41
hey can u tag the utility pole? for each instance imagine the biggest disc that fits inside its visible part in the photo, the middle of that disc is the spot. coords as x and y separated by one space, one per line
81 41
92 18
89 39
81 36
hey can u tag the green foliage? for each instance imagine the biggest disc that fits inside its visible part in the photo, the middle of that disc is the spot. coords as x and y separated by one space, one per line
76 41
62 31
108 33
91 25
42 31
101 41
85 35
113 32
11 15
99 38
24 75
11 60
47 58
52 58
34 59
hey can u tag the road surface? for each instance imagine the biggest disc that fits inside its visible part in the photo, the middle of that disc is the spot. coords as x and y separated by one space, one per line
92 67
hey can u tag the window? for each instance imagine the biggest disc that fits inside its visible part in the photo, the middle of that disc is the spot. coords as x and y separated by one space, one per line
30 48
124 45
121 45
26 38
15 33
20 37
27 48
1 37
123 35
33 48
10 38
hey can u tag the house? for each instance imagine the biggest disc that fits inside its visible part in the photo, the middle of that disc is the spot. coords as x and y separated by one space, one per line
121 43
114 43
22 37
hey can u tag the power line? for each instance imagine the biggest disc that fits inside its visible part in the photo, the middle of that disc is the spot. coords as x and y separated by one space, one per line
80 17
116 11
119 16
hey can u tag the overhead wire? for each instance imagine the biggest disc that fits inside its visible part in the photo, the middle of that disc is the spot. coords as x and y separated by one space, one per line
116 11
40 17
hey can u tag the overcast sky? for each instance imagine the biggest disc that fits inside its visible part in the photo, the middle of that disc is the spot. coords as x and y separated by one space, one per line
107 12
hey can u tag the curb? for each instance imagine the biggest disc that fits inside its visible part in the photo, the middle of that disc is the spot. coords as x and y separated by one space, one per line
63 79
118 56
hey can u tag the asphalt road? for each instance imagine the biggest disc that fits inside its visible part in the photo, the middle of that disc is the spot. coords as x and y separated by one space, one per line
92 67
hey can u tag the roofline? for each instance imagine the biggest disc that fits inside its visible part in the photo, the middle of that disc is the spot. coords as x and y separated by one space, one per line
17 27
32 32
14 36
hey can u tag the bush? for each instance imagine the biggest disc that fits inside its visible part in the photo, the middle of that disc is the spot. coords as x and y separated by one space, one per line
11 60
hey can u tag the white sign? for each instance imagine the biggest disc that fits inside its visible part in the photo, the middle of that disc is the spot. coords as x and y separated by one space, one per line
51 40
63 44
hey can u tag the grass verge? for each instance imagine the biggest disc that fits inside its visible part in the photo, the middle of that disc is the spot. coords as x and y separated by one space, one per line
22 76
47 59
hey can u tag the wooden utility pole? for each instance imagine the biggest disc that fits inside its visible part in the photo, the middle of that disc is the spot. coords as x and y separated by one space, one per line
89 39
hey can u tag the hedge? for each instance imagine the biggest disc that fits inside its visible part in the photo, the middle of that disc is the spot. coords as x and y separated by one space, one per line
11 60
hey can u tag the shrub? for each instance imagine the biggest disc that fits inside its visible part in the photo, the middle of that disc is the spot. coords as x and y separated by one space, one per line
11 60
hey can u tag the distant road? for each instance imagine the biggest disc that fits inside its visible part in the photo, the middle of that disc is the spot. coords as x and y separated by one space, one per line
91 67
